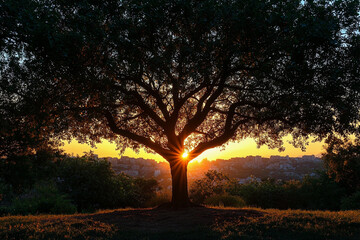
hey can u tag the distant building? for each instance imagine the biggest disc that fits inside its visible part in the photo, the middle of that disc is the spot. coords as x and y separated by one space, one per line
157 172
253 162
132 173
279 158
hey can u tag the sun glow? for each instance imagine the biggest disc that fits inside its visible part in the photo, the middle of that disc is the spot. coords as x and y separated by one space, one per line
185 155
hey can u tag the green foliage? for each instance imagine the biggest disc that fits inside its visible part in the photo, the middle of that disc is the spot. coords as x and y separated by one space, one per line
145 190
321 193
88 182
23 171
351 202
310 193
43 198
92 184
224 200
342 160
213 183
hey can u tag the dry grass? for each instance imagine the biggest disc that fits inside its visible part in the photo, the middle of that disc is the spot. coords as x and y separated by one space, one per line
292 224
195 223
53 227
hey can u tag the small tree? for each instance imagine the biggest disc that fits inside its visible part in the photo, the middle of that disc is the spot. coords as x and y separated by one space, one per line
185 76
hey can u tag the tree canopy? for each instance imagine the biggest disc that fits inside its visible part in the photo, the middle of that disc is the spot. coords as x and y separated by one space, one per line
191 75
175 76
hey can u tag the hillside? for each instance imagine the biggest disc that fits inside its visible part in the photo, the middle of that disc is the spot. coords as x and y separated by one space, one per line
196 223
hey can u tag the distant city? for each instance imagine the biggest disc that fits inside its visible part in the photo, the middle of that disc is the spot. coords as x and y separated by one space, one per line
243 169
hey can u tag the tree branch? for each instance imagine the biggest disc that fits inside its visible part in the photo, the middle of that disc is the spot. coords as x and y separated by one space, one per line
145 107
201 113
218 141
156 95
125 133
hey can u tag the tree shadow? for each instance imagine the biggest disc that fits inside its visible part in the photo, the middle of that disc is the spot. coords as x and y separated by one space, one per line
161 219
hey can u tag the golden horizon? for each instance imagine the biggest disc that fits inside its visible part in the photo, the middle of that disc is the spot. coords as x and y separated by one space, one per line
246 147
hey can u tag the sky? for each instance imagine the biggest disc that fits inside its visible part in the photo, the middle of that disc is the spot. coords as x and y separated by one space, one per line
244 148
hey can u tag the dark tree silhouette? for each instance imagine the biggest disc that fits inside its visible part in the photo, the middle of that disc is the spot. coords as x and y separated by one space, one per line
186 76
342 161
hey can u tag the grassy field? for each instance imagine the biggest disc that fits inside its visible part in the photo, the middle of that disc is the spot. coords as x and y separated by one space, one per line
196 223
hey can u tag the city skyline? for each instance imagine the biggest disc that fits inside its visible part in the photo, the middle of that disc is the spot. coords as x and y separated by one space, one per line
243 169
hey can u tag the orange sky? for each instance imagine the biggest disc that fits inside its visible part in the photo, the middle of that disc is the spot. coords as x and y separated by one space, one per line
242 149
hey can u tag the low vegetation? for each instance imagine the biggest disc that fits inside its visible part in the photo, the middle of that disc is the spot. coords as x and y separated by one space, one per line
320 193
56 184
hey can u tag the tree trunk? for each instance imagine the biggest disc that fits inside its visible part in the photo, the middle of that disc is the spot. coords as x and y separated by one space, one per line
180 197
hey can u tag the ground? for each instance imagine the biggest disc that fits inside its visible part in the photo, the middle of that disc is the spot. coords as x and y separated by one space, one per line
194 223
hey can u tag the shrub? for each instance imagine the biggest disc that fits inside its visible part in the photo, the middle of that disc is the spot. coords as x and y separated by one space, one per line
321 193
43 198
92 184
311 193
122 192
266 194
225 200
351 202
214 183
145 189
23 171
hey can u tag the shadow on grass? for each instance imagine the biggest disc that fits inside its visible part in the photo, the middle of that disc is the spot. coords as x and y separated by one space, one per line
214 223
164 223
161 220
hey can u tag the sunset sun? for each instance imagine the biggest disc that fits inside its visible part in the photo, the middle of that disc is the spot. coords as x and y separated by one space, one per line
185 155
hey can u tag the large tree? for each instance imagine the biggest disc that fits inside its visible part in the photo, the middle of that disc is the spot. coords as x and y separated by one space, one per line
186 76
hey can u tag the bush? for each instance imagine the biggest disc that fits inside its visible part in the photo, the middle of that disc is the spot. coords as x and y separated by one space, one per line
320 193
145 189
351 202
214 183
265 194
224 200
89 182
311 193
123 193
22 172
92 184
43 198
